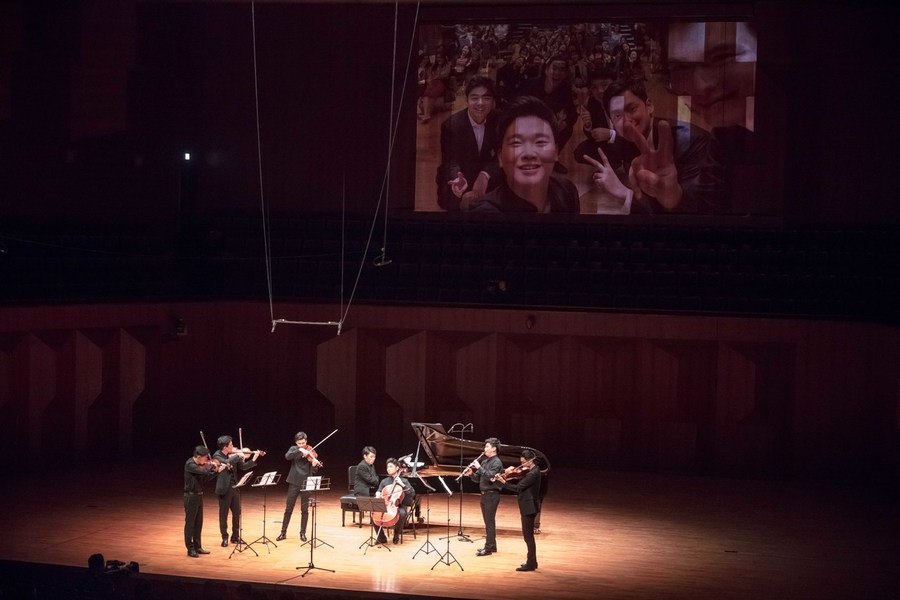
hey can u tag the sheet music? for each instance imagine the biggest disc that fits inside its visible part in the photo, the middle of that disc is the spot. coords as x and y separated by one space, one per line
244 479
314 482
267 479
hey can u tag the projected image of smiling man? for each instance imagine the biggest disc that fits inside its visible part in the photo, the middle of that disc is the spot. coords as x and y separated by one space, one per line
528 150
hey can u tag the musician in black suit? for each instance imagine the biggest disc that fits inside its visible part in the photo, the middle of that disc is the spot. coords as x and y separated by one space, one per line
390 487
197 471
468 166
230 496
366 477
528 490
484 474
303 464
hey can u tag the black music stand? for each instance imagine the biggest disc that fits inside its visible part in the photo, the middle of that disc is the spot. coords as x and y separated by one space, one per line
461 430
264 481
370 504
445 558
241 545
314 484
427 547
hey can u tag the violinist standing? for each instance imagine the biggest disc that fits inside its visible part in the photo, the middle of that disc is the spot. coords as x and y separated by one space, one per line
230 496
391 488
528 490
304 463
197 470
484 474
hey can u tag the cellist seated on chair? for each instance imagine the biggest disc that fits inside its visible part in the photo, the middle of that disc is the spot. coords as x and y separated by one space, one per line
398 496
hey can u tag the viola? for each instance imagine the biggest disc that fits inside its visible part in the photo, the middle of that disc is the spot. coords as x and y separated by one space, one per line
393 496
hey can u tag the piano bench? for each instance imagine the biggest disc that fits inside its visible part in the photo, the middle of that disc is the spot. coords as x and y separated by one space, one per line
348 503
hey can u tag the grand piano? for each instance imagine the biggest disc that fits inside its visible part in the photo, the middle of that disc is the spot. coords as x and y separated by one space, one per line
440 454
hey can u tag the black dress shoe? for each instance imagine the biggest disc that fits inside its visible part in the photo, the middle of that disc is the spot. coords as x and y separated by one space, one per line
396 539
302 537
526 567
202 551
281 536
193 553
381 540
484 552
237 540
225 541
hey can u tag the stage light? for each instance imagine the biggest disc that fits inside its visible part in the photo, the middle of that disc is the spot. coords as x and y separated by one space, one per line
187 156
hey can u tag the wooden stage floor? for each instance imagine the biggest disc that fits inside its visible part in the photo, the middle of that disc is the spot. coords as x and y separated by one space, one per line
605 535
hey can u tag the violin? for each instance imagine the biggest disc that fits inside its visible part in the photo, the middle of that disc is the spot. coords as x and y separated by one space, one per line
310 451
246 453
216 465
514 473
311 455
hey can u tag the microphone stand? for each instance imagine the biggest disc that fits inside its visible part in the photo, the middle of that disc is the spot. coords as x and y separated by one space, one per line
461 430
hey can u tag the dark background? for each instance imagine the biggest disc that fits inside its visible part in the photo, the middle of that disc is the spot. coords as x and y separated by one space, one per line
100 99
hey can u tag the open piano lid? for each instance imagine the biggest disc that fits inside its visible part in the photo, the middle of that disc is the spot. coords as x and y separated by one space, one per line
443 452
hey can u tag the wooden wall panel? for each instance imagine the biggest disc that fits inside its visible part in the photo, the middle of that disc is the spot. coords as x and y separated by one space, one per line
754 408
39 363
474 368
603 405
83 363
734 396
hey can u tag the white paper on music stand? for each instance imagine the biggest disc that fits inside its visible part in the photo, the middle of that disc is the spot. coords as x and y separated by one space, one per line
313 482
266 478
244 479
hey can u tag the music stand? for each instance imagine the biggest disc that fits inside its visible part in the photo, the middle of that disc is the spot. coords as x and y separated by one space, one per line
264 481
445 558
241 545
370 504
427 547
461 430
314 484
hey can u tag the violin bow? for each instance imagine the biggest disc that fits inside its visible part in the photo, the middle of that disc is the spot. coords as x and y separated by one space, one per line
324 438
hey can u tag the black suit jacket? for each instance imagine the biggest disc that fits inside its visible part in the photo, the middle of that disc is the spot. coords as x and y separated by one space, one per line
366 479
528 489
228 477
460 149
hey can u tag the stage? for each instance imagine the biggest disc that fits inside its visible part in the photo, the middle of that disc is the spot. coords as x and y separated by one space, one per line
607 535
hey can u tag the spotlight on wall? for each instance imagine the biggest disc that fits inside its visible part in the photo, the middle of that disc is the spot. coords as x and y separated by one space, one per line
187 156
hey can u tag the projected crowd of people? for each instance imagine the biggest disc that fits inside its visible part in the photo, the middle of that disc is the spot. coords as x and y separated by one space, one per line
616 118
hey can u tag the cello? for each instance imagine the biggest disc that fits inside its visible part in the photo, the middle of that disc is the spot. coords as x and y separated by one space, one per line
393 496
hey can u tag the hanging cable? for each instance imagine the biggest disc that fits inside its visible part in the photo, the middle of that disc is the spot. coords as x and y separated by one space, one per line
267 247
382 260
393 125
